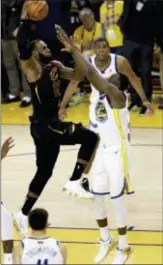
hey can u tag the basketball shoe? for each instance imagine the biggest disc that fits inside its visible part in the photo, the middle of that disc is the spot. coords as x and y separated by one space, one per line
122 255
75 188
21 223
105 247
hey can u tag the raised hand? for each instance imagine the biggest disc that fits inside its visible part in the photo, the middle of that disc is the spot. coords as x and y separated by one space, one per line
7 145
63 38
149 106
62 113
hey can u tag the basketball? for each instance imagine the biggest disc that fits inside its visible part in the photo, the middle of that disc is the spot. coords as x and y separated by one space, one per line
37 9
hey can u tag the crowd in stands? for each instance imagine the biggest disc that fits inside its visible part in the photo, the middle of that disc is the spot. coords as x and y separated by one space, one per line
133 28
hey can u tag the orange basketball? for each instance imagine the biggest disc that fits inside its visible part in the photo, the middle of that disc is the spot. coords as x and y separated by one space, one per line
37 9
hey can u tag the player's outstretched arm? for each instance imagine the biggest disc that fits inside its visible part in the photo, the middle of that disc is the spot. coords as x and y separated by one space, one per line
125 68
90 72
7 145
30 66
71 88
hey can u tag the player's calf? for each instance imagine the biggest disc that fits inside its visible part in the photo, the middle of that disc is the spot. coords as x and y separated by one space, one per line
89 142
106 241
123 249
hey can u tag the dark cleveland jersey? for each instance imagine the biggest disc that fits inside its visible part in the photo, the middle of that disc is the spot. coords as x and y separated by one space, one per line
46 94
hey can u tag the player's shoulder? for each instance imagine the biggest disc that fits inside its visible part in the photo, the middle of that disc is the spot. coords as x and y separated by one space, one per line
121 59
52 240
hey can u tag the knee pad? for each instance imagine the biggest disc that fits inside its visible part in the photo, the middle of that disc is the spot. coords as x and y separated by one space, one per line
93 139
99 207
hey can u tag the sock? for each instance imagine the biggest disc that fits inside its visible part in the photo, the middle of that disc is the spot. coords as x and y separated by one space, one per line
104 231
123 242
7 258
78 171
28 205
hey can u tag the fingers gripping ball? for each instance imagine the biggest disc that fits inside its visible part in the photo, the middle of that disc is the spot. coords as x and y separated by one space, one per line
37 9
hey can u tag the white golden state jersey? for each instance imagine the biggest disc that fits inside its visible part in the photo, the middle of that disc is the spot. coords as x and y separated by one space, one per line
111 124
41 251
107 73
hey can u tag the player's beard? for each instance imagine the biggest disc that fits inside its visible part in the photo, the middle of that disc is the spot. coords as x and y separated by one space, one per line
45 59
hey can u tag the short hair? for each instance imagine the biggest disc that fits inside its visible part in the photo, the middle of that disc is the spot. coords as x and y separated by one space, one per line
115 80
102 39
38 219
33 44
84 11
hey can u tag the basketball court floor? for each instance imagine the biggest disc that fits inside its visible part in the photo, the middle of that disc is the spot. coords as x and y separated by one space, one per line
72 218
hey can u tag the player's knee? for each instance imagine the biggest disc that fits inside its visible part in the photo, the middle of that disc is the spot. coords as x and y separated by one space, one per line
45 169
7 246
99 207
92 139
40 179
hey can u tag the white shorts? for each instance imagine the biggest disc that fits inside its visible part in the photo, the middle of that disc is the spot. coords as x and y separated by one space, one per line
6 224
110 171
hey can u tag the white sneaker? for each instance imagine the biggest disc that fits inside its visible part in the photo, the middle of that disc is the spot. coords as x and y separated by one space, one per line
7 259
75 189
104 249
21 223
122 256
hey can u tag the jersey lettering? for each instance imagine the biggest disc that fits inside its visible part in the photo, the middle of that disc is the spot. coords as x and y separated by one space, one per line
101 112
42 262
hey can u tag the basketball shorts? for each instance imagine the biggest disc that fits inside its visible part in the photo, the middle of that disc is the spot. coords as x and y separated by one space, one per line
6 224
110 172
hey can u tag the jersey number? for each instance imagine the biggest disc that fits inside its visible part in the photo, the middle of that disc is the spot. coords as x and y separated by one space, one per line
41 262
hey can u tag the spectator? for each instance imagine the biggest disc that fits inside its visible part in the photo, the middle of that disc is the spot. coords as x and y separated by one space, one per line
84 37
88 32
4 80
11 11
158 64
78 5
110 12
141 23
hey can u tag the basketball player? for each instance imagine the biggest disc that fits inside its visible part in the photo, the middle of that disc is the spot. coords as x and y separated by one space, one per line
6 217
48 132
111 120
39 248
108 64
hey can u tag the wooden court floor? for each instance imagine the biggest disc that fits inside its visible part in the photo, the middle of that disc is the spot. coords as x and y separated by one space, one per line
71 218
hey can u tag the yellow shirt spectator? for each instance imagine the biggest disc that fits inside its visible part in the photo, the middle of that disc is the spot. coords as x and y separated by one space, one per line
110 12
85 35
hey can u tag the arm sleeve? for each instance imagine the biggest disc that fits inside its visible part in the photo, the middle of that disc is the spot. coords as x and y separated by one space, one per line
23 39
